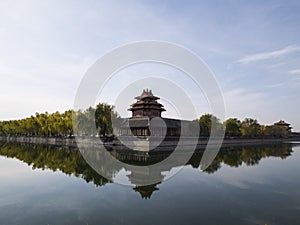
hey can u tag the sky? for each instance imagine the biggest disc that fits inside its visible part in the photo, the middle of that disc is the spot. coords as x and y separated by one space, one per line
252 47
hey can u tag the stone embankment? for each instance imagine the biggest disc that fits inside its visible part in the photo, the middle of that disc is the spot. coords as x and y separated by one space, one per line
90 141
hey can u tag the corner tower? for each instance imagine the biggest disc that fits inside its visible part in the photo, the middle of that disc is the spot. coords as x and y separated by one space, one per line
146 105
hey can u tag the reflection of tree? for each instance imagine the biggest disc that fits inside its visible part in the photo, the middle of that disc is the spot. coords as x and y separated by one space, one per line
66 160
232 158
248 155
252 157
213 167
71 162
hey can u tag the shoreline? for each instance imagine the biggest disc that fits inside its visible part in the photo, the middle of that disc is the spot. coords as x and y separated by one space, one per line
91 141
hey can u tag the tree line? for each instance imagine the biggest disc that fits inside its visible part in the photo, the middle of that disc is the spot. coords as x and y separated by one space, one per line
60 124
235 128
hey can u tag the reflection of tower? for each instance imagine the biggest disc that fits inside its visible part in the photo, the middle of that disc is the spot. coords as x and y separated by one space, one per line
145 175
146 191
140 177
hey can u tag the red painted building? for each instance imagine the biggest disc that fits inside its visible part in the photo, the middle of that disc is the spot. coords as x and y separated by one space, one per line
146 119
146 105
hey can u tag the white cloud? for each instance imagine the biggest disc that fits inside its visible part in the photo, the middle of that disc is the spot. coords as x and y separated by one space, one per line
268 55
276 85
297 71
295 82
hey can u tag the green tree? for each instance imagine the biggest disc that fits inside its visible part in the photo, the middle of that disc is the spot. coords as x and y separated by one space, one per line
207 122
250 128
80 123
233 127
103 118
275 131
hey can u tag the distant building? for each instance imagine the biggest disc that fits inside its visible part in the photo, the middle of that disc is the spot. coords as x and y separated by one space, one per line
282 123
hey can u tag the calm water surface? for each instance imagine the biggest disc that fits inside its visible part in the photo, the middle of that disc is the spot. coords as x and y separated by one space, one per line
250 185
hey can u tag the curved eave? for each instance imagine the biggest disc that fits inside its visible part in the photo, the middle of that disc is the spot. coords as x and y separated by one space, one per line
142 97
134 109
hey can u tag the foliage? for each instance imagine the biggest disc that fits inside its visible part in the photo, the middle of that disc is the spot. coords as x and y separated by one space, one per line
250 128
98 121
233 127
207 123
61 124
275 131
103 118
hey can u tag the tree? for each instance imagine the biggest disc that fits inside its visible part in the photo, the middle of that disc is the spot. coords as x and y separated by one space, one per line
103 118
250 128
207 122
68 125
233 127
98 120
275 131
80 123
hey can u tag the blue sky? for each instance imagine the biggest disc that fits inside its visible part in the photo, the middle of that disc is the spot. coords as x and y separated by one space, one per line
253 48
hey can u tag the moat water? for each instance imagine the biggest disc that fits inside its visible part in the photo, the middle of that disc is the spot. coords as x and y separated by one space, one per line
245 185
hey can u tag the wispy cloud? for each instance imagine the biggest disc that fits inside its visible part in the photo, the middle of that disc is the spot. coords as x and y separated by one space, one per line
268 55
276 85
243 103
297 71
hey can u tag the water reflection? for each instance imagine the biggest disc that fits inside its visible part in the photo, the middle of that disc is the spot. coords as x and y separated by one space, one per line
67 160
71 162
250 156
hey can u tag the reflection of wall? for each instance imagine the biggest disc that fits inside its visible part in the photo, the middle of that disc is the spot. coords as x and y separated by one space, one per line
70 161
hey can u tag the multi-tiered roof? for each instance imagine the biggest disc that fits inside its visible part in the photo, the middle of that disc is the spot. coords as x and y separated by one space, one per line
282 123
146 105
